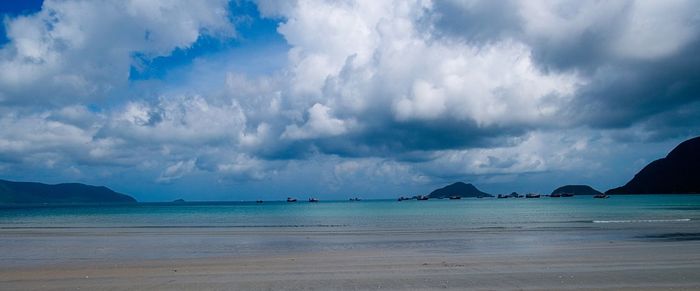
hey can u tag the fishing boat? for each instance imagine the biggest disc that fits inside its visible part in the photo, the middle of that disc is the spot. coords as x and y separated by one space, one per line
290 199
601 196
313 199
455 197
422 197
532 195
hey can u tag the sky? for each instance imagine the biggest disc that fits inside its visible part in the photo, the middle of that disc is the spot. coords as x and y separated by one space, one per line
246 100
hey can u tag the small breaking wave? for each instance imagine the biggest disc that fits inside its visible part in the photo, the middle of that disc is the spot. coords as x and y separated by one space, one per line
642 220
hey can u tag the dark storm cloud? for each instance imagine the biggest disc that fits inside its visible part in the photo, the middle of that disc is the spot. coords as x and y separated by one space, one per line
480 22
625 93
621 90
407 140
379 135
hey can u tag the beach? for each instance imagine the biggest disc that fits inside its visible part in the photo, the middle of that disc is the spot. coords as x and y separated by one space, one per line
349 145
641 254
433 260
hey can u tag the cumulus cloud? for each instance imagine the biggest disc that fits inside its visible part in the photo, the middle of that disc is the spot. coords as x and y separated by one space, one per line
319 124
83 50
408 89
177 121
421 91
176 131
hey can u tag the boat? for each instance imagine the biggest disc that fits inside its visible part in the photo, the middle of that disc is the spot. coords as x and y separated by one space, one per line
532 195
501 196
290 199
422 197
355 199
403 198
455 197
555 195
601 196
567 194
313 199
258 201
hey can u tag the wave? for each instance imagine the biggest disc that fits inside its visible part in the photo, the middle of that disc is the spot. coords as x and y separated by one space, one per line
642 220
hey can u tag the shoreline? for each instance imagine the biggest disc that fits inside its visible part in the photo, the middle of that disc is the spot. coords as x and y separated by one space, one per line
186 259
638 243
598 266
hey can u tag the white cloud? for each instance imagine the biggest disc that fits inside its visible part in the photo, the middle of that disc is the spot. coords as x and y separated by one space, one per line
657 29
377 55
623 29
175 131
319 124
375 174
176 171
82 50
427 102
243 167
179 121
42 138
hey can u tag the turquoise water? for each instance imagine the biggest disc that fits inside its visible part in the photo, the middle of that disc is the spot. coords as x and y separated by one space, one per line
78 234
366 214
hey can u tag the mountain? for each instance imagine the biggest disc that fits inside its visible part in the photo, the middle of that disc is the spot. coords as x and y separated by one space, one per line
677 173
576 190
68 193
458 189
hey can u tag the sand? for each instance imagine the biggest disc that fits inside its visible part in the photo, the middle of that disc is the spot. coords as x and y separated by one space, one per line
347 260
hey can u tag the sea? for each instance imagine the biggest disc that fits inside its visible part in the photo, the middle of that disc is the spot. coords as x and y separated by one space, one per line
49 234
468 213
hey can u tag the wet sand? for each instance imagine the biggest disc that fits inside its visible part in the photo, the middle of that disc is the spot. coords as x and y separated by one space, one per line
211 259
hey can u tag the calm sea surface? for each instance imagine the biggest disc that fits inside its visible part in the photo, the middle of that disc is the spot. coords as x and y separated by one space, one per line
366 214
70 234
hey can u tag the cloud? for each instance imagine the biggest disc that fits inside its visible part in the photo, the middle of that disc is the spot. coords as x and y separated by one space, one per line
657 29
83 51
412 93
319 124
178 121
243 167
407 89
176 171
175 131
634 59
67 136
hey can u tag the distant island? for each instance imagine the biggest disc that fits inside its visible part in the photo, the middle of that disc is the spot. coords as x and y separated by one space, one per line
677 173
458 189
577 190
67 193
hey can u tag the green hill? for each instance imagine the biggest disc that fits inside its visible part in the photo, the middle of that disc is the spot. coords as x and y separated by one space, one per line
67 193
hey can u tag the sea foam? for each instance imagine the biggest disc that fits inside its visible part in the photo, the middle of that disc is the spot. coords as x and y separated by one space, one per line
642 220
